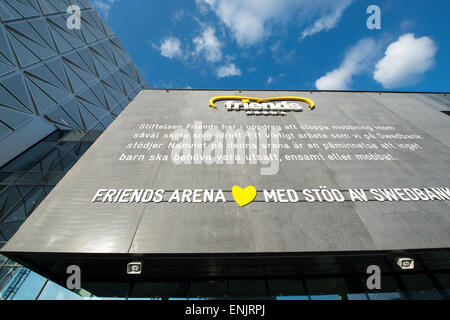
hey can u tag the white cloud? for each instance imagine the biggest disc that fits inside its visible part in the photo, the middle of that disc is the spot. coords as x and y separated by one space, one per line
202 6
328 21
208 44
250 21
104 6
171 48
228 70
405 61
356 60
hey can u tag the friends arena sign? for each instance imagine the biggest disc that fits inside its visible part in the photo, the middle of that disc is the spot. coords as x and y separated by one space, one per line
364 172
277 106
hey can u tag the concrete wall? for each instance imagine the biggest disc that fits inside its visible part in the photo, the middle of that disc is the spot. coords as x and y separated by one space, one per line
68 221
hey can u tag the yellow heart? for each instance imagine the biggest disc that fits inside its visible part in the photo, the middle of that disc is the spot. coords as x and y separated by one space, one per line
243 196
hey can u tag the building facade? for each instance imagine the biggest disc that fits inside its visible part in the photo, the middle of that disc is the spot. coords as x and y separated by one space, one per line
53 77
360 181
60 87
267 194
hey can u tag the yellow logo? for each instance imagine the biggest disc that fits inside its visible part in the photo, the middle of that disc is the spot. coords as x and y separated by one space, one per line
257 101
243 196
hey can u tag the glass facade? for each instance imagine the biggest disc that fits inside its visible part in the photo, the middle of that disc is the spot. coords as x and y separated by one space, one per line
74 81
24 183
27 180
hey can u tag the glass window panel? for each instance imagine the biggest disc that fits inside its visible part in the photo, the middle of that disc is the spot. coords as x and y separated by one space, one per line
28 159
18 214
53 291
105 290
416 282
286 287
146 299
444 280
8 200
37 168
24 190
389 290
357 296
31 287
68 162
211 289
321 286
419 286
159 290
6 277
7 178
74 135
65 146
30 178
425 295
386 296
247 288
50 160
92 135
326 297
51 178
56 135
10 228
34 199
292 298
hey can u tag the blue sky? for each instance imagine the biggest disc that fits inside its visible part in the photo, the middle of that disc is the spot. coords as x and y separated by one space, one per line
285 44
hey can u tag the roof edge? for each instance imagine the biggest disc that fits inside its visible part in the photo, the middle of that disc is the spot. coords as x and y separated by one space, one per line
290 90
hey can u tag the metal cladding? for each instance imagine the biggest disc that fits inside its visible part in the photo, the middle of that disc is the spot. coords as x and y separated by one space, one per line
54 77
362 172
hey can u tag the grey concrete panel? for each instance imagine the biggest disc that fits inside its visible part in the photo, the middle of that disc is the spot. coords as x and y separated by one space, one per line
67 220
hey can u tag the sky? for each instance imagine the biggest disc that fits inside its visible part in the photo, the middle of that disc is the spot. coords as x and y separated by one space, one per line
286 44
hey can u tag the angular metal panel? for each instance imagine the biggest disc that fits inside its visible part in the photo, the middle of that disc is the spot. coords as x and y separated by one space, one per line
57 64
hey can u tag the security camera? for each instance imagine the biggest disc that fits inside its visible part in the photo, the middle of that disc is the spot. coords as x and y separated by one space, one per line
405 263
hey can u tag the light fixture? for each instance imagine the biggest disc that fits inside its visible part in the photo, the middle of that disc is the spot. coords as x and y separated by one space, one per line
134 268
405 263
